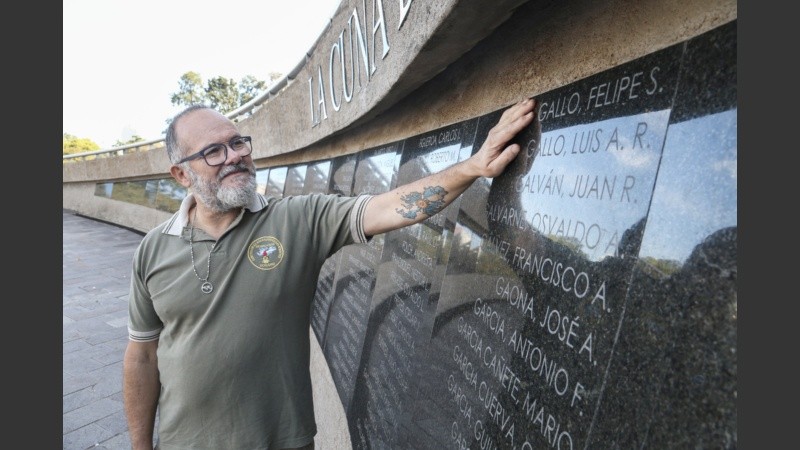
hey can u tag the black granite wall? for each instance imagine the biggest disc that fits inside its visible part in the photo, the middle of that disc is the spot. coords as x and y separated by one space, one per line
586 298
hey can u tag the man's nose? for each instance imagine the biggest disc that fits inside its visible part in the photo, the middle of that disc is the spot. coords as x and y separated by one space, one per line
232 156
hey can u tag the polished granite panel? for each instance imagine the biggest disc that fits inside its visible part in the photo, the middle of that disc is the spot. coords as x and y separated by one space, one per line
170 194
343 169
346 324
336 176
535 294
406 289
295 180
275 182
317 181
318 178
323 296
262 175
672 381
585 298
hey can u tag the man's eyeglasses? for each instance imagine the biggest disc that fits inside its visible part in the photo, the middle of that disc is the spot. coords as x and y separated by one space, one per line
217 154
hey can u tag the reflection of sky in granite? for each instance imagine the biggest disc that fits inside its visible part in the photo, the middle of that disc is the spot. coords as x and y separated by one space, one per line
440 159
374 173
464 153
596 218
317 177
384 166
261 180
295 179
342 170
695 194
172 189
319 169
297 173
277 178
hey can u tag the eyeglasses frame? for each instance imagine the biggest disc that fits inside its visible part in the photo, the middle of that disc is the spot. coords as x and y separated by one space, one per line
225 145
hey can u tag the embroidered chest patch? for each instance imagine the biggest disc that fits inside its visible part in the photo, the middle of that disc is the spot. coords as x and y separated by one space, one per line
265 252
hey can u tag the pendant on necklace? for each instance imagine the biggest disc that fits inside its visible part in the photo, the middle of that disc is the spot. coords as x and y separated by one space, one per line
207 287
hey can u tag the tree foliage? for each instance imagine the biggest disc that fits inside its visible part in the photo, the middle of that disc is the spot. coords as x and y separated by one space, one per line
74 144
190 90
221 93
249 88
132 140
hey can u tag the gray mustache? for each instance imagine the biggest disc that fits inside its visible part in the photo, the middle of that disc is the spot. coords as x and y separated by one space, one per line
237 168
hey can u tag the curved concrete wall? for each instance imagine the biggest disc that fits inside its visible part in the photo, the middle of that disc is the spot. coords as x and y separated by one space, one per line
442 63
448 62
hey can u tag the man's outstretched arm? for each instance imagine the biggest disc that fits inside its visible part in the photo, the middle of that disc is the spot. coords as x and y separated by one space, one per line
418 200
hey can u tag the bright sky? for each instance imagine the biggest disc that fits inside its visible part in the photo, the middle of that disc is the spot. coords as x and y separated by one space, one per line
123 59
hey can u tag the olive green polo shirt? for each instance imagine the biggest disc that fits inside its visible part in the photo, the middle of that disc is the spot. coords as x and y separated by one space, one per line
234 363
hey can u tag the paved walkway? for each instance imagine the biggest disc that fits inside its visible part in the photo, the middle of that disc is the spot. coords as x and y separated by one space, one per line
96 276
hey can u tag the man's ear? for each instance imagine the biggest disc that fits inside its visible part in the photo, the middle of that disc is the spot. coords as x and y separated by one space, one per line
180 176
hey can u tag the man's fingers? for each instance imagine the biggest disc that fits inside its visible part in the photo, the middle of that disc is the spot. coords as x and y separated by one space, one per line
518 110
498 165
511 122
517 116
508 155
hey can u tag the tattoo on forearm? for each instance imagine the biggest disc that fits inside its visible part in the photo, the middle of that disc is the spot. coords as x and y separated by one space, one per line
429 202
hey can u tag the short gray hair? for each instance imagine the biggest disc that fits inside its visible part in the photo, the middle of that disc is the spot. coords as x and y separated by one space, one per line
171 140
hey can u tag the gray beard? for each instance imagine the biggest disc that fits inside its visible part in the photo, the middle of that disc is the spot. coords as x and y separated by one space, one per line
224 198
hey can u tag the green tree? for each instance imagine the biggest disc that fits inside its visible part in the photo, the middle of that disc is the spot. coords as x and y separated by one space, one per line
190 90
250 87
222 94
74 144
132 140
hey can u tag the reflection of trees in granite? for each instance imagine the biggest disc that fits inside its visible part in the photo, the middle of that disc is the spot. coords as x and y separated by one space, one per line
348 312
373 386
342 174
373 178
703 358
323 296
170 194
403 305
666 355
612 273
134 192
486 249
673 379
664 349
631 240
295 180
662 371
274 189
664 267
568 241
317 179
461 257
322 177
491 261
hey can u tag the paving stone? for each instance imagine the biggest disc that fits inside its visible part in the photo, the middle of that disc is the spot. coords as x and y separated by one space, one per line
96 284
92 412
86 437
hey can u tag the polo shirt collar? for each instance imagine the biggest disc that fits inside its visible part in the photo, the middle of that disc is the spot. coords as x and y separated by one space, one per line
180 219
